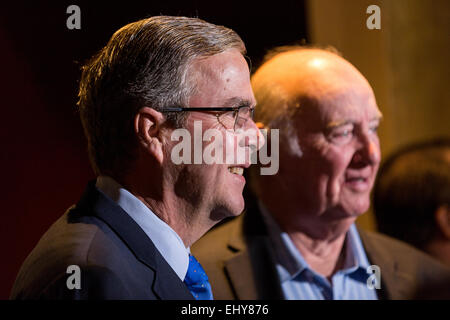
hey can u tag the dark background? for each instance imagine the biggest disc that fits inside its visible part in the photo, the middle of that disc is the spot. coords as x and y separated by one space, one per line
44 159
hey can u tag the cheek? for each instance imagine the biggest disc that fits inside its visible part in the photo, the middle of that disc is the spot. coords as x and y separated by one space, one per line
219 147
209 180
230 141
336 163
329 160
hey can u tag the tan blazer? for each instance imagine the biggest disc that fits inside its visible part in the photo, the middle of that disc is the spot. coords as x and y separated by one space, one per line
240 265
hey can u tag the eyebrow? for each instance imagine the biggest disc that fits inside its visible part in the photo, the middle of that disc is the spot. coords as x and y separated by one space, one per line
337 124
237 102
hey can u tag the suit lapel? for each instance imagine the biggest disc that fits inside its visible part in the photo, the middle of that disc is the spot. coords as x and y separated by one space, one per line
240 273
251 270
166 285
395 284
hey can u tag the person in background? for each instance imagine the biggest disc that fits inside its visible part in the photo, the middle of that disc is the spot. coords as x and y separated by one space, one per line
412 197
298 238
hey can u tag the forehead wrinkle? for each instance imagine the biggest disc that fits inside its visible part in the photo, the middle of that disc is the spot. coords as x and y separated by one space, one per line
336 124
202 68
205 72
351 99
341 123
221 80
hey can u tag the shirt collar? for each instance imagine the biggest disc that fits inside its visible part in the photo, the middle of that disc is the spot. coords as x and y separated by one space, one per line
165 239
291 262
355 249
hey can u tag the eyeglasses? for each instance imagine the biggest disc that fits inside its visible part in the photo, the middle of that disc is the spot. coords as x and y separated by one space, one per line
232 117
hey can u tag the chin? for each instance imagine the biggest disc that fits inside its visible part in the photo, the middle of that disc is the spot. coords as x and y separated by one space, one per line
358 208
350 210
228 209
237 207
235 201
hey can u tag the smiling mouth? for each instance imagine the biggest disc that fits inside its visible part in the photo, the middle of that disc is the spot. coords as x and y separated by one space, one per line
236 170
358 184
357 179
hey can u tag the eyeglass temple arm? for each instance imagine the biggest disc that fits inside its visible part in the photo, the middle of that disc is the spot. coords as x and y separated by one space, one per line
179 109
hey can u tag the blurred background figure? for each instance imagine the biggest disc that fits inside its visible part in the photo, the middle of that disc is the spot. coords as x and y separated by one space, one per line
412 197
298 239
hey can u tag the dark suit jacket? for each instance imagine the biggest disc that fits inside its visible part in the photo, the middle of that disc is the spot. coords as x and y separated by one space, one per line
116 258
240 264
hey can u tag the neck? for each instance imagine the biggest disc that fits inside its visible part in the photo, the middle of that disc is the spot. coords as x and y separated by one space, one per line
179 214
320 240
324 256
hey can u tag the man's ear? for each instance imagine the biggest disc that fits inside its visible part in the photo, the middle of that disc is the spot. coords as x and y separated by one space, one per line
147 126
442 218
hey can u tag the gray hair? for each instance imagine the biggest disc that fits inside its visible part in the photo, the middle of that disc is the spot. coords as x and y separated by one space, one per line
145 63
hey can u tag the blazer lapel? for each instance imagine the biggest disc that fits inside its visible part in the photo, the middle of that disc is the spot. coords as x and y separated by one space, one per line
166 285
395 284
251 269
240 273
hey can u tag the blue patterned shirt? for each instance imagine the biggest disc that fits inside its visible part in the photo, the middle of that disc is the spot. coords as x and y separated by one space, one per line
299 282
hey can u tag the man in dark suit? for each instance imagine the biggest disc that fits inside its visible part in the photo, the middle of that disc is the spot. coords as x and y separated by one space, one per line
298 239
156 80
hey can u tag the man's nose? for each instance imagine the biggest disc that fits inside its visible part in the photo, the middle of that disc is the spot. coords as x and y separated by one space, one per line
368 151
256 139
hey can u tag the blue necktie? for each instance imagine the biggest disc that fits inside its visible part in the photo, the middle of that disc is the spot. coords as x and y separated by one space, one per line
197 281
